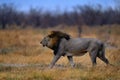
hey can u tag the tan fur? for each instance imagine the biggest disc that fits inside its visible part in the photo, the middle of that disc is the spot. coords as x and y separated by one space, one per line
54 41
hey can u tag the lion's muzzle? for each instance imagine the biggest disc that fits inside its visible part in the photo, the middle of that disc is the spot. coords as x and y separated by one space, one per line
43 44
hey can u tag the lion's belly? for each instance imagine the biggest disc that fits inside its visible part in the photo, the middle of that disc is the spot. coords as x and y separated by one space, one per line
76 47
75 53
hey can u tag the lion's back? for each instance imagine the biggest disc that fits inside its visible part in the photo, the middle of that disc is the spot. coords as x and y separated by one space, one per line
82 43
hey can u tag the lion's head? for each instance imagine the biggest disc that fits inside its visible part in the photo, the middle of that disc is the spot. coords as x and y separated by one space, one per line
52 40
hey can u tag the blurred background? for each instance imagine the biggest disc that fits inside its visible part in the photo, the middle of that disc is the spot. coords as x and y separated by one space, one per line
51 13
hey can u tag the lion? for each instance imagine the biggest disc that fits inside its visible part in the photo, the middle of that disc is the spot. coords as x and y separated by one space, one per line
63 45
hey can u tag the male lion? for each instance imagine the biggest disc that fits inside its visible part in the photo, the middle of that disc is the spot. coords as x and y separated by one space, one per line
63 45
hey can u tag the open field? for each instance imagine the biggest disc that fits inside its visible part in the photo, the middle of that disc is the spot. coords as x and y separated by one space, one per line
23 58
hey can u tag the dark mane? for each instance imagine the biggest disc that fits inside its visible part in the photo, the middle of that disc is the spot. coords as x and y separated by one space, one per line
59 34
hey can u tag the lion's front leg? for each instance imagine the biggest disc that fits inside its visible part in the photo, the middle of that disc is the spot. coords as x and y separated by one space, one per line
58 53
70 58
55 59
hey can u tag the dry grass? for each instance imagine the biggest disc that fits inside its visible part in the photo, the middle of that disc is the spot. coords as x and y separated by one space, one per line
30 60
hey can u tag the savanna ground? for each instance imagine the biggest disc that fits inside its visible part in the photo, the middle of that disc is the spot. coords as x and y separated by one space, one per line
23 58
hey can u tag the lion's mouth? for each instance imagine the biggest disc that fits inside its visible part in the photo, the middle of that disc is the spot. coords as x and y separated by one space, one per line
43 45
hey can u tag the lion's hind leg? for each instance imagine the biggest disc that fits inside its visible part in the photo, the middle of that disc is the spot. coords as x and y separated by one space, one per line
101 56
93 56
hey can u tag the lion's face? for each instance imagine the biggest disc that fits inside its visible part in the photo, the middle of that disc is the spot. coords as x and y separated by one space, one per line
49 42
52 40
45 41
